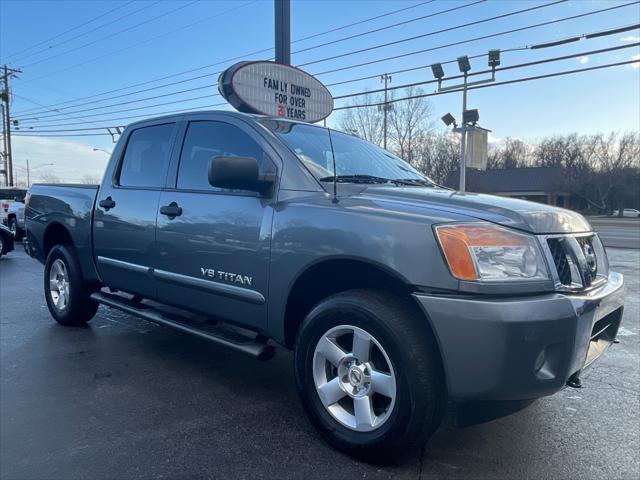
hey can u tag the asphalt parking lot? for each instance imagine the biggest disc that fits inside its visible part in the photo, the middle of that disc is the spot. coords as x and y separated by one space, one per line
123 398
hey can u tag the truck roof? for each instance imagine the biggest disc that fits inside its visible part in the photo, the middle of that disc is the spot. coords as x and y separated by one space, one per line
230 113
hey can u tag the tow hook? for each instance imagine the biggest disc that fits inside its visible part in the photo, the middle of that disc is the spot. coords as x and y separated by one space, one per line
574 381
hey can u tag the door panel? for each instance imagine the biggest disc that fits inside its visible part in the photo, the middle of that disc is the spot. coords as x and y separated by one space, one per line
125 225
213 257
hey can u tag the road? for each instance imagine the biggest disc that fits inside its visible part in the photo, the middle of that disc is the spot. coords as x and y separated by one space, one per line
123 398
617 232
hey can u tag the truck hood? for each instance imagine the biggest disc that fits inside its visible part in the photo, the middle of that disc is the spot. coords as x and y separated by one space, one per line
520 214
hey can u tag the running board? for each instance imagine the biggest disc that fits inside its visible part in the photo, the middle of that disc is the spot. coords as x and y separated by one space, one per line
256 347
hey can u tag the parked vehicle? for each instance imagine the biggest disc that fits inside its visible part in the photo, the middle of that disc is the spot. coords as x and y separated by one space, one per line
6 240
12 210
395 295
627 212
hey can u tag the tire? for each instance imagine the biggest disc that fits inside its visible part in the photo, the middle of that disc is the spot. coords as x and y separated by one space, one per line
13 226
401 347
71 306
1 245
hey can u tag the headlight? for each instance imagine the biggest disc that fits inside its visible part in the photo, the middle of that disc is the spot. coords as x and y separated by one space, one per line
488 253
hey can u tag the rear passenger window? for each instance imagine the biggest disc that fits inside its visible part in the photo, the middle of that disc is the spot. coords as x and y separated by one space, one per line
147 157
205 140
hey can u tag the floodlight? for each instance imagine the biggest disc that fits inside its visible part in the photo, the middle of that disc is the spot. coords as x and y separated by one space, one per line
437 70
494 58
470 116
463 64
448 120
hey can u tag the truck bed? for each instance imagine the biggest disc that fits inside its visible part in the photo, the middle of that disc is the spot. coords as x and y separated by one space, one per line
51 206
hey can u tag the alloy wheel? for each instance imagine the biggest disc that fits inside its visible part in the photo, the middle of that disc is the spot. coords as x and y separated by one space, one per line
354 378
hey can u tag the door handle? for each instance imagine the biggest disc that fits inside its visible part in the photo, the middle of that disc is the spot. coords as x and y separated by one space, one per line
172 210
107 203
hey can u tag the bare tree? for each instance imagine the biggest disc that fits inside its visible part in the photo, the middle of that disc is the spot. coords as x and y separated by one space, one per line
617 157
365 122
437 155
91 179
408 121
49 177
513 153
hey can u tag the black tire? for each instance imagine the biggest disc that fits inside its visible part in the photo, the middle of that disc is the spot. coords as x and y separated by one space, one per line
78 308
403 332
13 226
1 245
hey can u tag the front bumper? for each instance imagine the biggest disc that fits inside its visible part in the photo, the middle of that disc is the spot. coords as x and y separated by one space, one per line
522 348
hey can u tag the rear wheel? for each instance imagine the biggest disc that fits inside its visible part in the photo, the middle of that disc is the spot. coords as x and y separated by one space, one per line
13 226
369 374
66 292
1 245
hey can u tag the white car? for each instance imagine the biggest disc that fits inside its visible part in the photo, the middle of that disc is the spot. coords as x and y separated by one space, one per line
628 212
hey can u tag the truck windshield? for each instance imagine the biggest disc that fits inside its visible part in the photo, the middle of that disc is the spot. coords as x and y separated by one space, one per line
356 160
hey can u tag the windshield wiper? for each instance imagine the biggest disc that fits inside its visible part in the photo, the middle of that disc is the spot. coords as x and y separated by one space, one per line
356 179
418 182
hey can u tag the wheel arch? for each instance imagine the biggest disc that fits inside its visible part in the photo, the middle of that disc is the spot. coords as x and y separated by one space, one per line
55 234
330 276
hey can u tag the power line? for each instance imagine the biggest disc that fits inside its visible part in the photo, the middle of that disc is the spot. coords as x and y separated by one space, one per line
164 14
434 32
224 61
146 40
360 22
475 39
496 84
376 30
181 110
182 100
510 67
590 35
69 30
585 36
375 104
37 103
498 69
128 102
433 48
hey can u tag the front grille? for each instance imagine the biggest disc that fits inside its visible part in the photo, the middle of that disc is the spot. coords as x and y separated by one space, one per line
576 259
560 260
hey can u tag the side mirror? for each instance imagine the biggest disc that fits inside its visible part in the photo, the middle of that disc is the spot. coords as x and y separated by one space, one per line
239 173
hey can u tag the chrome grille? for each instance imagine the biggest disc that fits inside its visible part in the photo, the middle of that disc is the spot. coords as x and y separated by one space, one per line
578 261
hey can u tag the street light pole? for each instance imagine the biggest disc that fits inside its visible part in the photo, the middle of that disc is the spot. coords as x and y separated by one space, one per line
463 139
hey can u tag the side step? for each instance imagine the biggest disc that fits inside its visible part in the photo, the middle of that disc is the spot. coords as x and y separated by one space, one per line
256 347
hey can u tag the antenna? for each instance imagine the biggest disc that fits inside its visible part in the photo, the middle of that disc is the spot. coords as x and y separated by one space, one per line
335 171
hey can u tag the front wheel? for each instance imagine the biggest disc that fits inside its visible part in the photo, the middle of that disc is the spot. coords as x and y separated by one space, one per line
68 298
369 374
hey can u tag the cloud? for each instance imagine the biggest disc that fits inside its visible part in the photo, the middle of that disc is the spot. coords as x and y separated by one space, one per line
71 160
583 60
630 38
637 64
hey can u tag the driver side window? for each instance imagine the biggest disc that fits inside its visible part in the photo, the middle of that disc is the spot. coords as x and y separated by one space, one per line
205 140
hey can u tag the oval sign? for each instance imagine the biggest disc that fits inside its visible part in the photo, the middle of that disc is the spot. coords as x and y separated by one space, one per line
270 88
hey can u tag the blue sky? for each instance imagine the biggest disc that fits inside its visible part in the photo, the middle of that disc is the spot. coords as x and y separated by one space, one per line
183 35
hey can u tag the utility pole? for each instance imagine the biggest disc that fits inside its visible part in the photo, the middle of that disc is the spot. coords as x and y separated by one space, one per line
282 17
4 170
28 175
386 107
7 73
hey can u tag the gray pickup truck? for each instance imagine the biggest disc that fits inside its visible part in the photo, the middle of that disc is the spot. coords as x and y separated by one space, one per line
396 295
